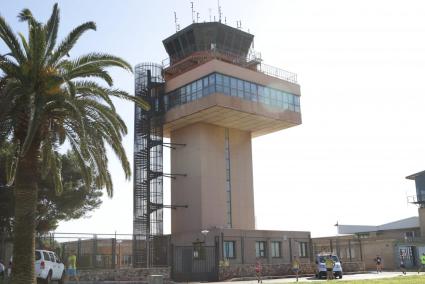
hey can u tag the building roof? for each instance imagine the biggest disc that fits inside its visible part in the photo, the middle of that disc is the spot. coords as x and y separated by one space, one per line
205 36
412 222
413 176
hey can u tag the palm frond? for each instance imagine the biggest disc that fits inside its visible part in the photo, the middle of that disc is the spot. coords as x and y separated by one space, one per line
66 45
51 29
11 41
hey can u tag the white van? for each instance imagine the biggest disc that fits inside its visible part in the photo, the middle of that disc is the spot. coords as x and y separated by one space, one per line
321 266
48 266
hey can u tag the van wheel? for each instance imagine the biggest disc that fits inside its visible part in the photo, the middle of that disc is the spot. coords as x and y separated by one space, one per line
48 280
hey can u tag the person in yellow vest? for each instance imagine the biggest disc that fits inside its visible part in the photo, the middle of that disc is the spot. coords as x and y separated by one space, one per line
296 265
72 266
422 265
330 263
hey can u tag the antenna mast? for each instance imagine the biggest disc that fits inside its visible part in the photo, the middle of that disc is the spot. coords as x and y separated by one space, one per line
193 12
175 22
219 10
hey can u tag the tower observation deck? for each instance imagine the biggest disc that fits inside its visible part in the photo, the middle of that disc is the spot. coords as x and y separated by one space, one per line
216 94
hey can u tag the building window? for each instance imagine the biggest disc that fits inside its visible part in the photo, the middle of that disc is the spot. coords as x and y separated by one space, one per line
303 249
409 235
229 249
363 235
126 259
276 249
230 86
260 249
350 252
228 181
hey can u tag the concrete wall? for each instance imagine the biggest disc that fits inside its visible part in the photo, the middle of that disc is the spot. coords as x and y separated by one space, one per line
281 269
204 187
125 274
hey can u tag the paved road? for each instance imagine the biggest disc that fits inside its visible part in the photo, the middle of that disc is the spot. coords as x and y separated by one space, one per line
363 276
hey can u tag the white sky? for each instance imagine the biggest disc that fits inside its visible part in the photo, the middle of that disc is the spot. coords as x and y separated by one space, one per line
361 67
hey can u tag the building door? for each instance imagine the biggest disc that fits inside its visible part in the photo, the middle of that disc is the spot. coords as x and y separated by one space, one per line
408 254
192 263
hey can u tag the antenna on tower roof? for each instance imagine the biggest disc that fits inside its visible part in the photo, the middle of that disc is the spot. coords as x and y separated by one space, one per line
209 12
219 10
197 17
239 24
225 20
193 12
175 22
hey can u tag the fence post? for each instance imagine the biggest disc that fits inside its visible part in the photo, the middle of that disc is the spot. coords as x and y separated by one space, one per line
114 252
79 250
94 251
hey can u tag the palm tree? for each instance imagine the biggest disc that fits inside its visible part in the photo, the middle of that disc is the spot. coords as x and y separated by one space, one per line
47 99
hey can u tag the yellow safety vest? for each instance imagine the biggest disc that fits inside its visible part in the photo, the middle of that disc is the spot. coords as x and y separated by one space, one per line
329 263
423 259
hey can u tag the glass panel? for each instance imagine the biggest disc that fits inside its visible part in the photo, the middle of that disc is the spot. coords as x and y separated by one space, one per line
253 88
260 90
240 85
198 85
212 79
233 92
233 83
226 81
219 79
247 87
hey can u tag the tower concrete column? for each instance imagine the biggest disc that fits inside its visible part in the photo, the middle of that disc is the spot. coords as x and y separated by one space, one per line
214 198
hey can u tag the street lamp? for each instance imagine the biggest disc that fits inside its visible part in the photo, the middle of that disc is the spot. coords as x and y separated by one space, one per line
205 233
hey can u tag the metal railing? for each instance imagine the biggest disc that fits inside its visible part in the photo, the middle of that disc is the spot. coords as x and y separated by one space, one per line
244 61
417 199
277 73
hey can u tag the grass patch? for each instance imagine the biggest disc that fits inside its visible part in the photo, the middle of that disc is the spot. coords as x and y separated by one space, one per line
393 280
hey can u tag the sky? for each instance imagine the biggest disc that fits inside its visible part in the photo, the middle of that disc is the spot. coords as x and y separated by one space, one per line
361 68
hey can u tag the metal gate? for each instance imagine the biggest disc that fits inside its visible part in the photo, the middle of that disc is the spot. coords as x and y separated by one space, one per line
195 263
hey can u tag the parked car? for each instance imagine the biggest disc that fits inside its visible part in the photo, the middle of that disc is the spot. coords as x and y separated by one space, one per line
48 267
321 266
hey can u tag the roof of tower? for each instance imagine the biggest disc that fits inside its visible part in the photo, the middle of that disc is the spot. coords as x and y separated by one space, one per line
207 36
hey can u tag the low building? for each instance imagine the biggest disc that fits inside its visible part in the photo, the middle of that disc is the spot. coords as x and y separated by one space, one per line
391 241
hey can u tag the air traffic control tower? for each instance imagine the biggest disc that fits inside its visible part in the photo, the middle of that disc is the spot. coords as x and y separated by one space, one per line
210 99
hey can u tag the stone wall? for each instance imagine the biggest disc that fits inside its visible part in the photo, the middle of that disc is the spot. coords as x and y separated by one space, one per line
123 274
284 269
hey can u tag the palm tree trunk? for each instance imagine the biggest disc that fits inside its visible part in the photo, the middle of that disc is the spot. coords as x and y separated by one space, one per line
25 210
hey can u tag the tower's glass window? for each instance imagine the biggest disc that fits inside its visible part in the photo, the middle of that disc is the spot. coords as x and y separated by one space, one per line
230 86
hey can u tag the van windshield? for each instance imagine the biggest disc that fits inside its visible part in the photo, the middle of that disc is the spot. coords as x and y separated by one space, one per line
322 258
37 255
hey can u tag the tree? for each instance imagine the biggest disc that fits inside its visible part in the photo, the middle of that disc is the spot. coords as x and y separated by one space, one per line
75 201
47 99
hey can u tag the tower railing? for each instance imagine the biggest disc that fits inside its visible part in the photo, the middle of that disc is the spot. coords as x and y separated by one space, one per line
252 60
